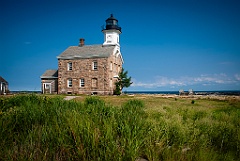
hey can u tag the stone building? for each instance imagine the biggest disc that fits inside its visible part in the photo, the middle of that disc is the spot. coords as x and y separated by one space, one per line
87 69
3 86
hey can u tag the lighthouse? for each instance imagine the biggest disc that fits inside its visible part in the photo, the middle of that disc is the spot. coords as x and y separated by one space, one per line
87 69
111 32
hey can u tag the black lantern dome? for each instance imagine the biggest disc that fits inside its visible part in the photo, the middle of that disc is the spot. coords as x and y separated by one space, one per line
112 23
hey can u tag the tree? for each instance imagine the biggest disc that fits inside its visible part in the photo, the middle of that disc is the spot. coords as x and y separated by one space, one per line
123 81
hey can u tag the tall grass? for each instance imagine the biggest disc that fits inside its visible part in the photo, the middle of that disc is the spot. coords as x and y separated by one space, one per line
41 128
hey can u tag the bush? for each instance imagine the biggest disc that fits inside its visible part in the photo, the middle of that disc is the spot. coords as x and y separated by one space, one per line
117 91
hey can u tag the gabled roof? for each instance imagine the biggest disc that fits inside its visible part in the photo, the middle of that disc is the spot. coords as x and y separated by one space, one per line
3 80
87 51
50 74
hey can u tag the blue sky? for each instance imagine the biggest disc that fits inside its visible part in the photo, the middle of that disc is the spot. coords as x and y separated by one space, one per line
166 44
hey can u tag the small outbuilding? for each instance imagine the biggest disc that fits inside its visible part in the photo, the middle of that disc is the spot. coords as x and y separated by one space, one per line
49 81
3 86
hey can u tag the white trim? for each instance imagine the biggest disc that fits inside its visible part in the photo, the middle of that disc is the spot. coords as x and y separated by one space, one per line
117 52
94 65
68 82
69 66
44 87
81 82
48 77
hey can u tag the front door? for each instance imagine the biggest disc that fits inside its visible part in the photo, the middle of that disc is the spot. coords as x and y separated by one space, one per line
47 88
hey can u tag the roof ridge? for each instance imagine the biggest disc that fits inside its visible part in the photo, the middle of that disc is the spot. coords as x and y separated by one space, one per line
87 45
87 51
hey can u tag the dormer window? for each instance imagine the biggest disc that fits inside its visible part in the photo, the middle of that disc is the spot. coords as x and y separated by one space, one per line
95 65
69 66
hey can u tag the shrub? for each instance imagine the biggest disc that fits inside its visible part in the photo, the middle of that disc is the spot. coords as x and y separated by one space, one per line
192 102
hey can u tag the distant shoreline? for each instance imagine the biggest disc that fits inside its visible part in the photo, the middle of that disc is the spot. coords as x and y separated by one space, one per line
223 92
227 92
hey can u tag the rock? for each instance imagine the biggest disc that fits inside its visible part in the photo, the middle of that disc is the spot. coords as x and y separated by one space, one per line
141 159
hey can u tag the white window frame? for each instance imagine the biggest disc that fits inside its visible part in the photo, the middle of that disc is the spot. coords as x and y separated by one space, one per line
69 83
82 82
95 65
70 65
45 87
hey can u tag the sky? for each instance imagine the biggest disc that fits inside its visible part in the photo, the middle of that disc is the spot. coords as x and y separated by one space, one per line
167 45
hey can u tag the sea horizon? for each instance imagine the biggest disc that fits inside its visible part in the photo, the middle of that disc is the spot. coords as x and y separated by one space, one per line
203 92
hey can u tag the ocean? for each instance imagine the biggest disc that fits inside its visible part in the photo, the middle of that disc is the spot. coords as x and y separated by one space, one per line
226 92
230 92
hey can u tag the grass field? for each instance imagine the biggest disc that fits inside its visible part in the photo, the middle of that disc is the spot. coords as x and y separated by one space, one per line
37 127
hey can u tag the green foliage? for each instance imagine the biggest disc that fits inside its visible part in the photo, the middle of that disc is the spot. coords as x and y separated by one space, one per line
192 102
42 128
123 81
117 90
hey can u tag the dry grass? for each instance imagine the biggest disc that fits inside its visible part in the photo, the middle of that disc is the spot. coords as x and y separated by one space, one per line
154 103
154 127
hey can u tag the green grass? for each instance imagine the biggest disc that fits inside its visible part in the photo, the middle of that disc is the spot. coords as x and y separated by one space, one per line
118 128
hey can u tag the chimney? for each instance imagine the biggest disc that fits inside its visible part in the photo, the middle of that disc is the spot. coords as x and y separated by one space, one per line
81 43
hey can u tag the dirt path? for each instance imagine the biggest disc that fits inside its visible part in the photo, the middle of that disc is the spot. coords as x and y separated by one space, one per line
70 97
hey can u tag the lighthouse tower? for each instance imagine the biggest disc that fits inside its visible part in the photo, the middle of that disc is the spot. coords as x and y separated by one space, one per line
111 32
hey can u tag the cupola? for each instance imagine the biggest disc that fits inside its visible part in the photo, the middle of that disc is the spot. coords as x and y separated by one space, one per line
111 31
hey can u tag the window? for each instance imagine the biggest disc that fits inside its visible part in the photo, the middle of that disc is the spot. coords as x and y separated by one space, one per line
95 65
111 66
115 68
94 82
69 82
82 82
111 82
119 68
69 65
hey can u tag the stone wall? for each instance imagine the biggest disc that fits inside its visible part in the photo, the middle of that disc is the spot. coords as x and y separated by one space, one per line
99 81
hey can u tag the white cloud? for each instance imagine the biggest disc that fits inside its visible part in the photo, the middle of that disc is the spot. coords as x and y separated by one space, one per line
204 80
160 81
237 76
